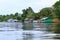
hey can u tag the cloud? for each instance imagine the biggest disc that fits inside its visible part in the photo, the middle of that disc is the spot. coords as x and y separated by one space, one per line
12 6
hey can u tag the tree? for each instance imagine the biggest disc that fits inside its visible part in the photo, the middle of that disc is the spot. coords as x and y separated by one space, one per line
24 15
57 9
57 15
45 12
36 16
30 13
16 14
27 13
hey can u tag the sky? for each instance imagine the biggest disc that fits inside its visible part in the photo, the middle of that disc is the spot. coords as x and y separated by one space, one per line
13 6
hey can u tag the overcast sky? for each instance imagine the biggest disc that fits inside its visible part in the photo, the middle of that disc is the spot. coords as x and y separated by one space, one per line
12 6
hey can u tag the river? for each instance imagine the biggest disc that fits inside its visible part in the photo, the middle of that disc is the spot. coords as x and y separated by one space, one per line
40 31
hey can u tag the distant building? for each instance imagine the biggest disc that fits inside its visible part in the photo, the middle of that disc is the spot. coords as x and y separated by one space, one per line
35 21
27 20
16 20
12 20
46 20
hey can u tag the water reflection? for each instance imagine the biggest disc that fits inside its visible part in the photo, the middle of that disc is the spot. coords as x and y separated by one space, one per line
28 37
48 30
39 36
27 26
56 28
31 31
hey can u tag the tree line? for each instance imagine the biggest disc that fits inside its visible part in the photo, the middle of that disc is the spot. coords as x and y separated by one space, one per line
52 12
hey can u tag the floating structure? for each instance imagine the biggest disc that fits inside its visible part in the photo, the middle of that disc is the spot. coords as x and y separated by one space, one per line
13 20
46 20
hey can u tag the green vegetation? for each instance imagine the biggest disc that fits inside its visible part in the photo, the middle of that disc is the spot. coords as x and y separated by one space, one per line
50 12
6 17
57 9
45 12
56 14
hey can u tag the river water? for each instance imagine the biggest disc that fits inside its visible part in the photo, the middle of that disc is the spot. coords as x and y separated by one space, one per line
39 31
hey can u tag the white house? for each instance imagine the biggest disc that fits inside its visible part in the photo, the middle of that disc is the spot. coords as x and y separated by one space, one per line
12 20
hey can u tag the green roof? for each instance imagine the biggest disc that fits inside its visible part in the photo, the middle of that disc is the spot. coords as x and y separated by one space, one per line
48 20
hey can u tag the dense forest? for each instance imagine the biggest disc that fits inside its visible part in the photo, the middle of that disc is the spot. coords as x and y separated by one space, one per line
53 12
